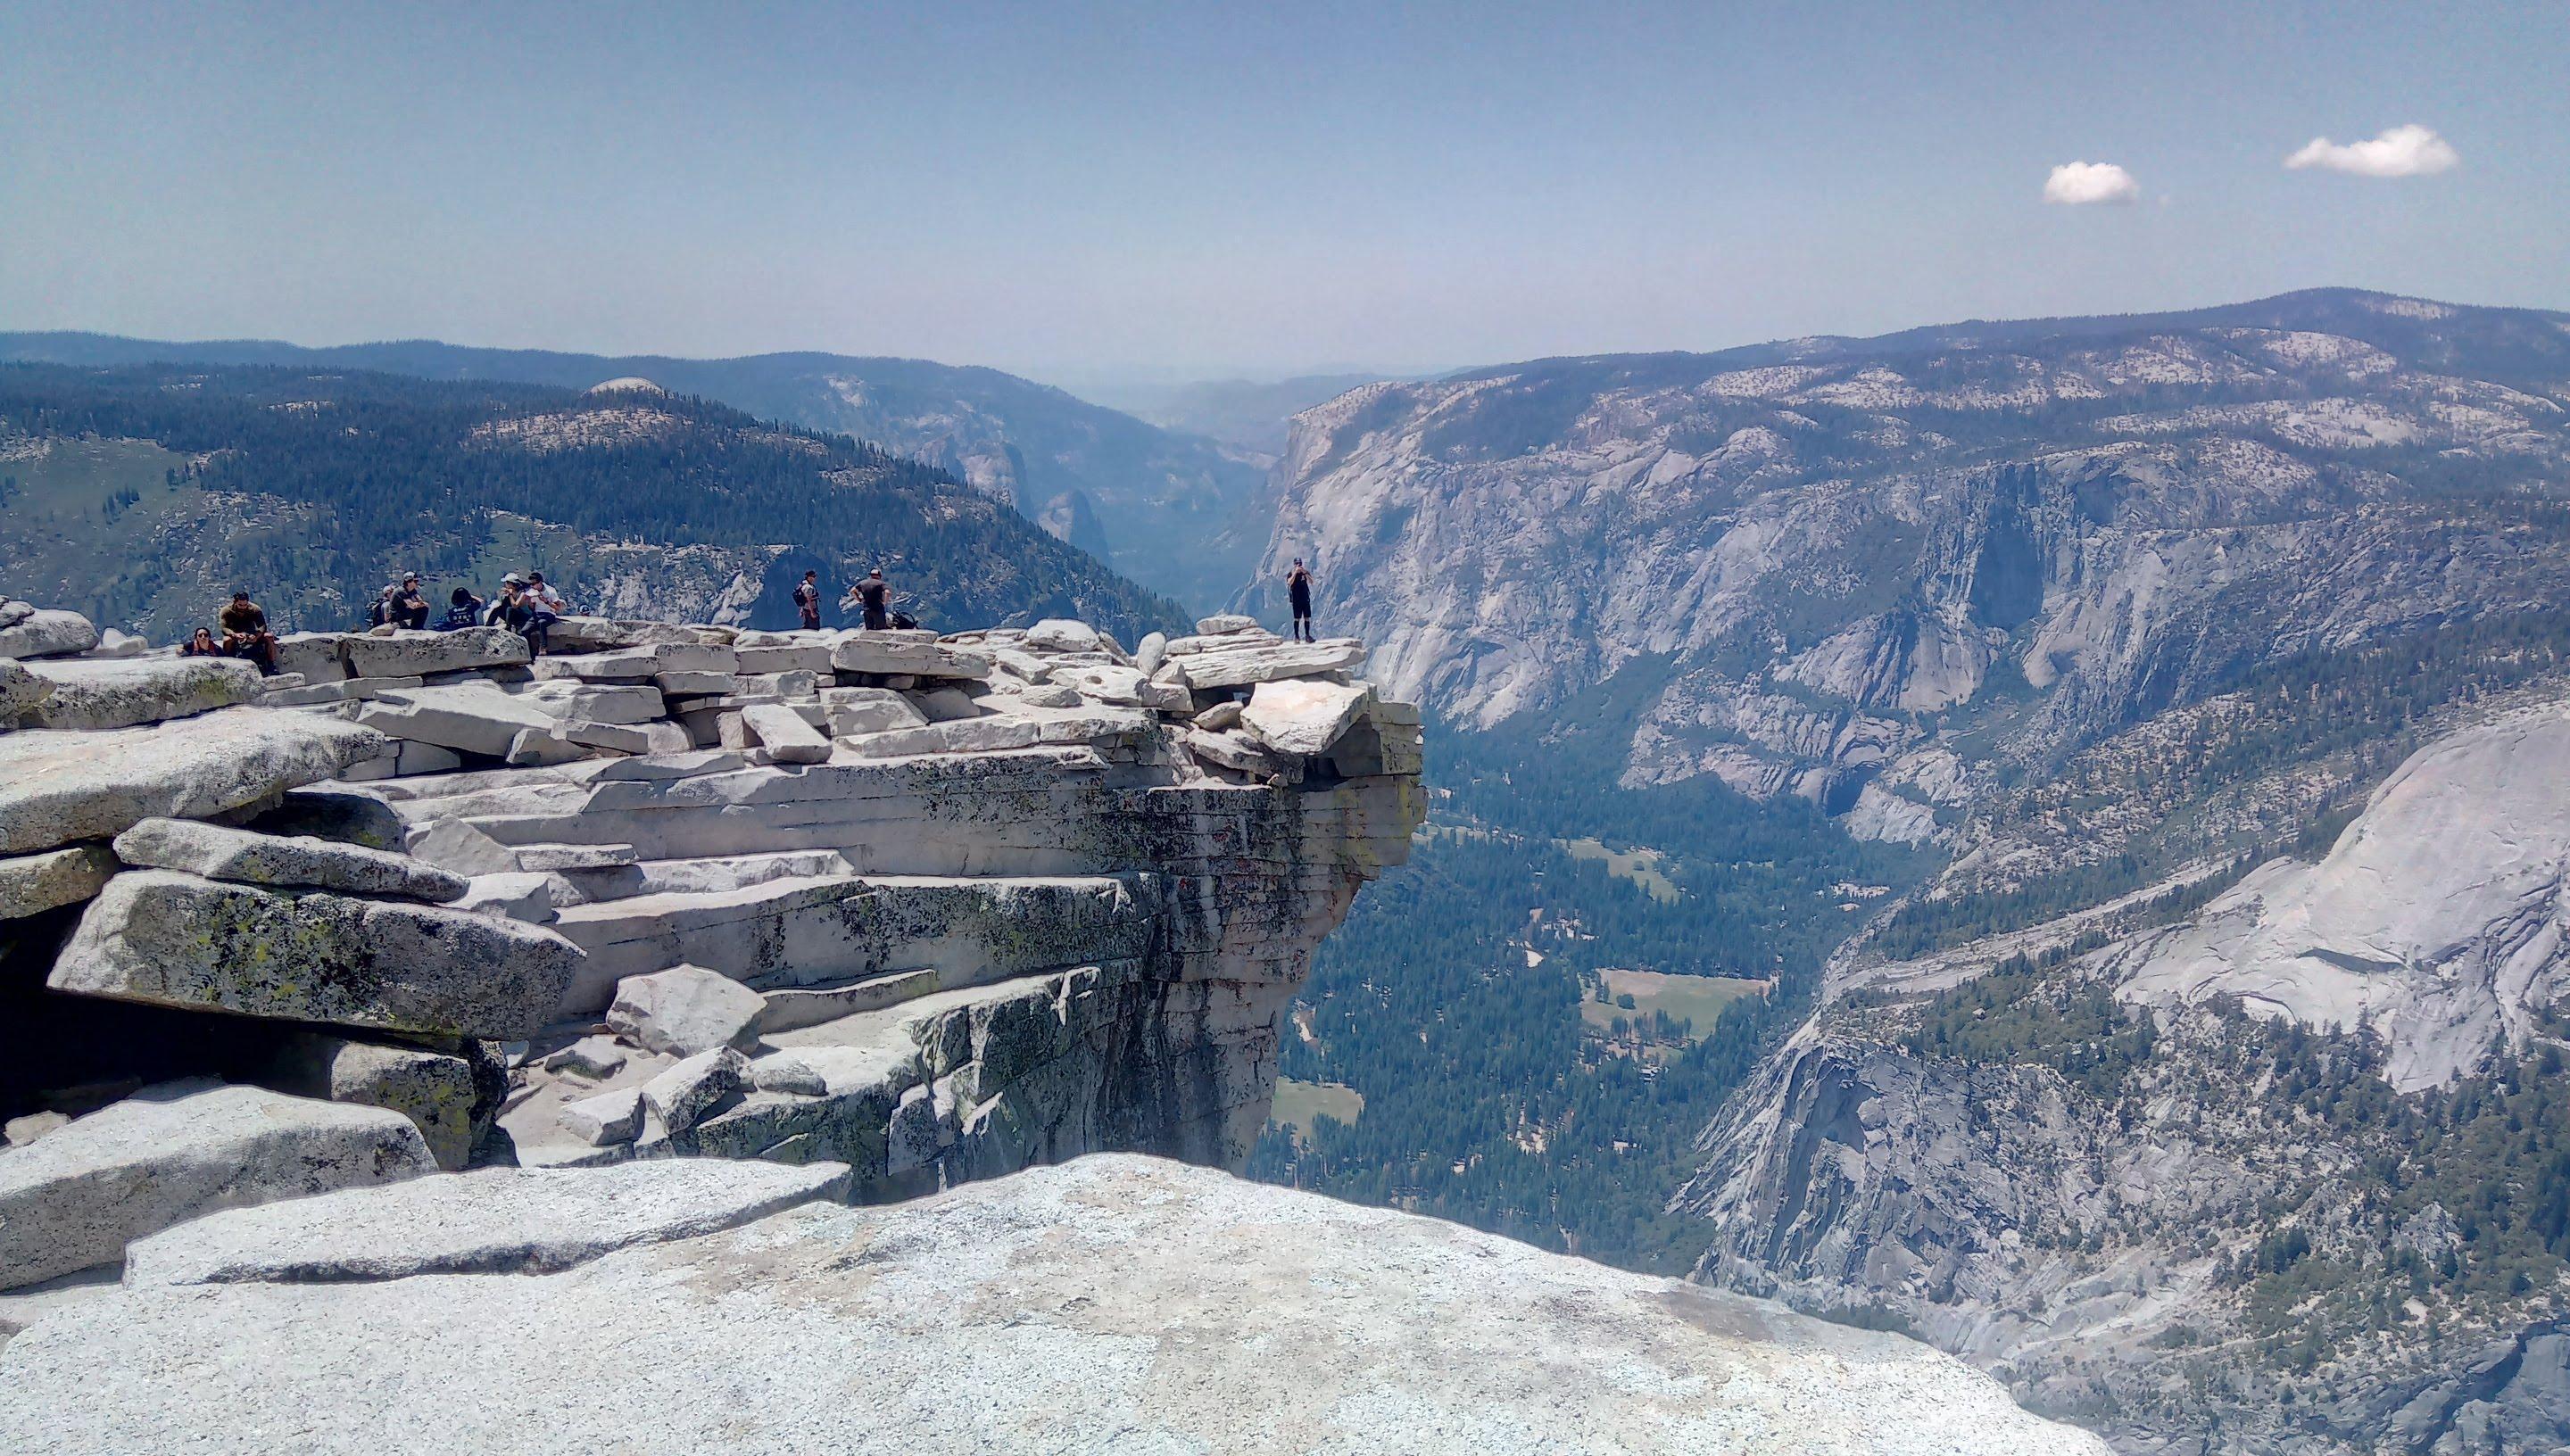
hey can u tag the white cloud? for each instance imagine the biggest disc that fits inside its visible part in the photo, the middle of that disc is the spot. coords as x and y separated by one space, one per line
2076 184
2411 151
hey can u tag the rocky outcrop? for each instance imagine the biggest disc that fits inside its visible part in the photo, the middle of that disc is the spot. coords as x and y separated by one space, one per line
494 1220
646 900
1116 1302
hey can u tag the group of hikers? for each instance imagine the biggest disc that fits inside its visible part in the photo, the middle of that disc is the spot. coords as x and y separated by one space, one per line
529 605
870 594
245 636
526 605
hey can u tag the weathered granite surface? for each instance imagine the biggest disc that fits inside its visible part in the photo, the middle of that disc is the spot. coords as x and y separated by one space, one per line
60 787
81 1194
1115 1303
180 941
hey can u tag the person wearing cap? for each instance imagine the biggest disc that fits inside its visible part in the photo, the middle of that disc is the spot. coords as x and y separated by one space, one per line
245 633
410 604
807 601
497 615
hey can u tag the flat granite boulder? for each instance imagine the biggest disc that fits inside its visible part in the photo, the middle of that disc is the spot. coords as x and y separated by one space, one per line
916 655
1062 635
416 654
496 1221
177 1152
58 786
317 655
31 885
468 717
783 733
37 632
217 852
178 940
1223 668
93 693
1302 715
1110 1304
685 1010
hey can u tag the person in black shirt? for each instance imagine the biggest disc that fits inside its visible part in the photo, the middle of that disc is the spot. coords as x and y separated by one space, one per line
1298 586
245 633
410 605
462 609
874 593
807 600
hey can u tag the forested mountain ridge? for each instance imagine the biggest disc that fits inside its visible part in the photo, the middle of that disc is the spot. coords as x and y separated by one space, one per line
142 494
1180 514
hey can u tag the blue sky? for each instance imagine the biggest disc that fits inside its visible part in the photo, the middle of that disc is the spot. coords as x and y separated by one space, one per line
1167 190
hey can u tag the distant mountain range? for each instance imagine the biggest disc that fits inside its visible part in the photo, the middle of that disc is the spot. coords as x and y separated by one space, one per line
142 494
1177 513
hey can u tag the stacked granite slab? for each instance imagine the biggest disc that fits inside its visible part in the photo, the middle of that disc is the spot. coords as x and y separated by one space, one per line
978 900
931 908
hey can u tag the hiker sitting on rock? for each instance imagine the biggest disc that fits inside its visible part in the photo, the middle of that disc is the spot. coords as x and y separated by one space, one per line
245 633
201 645
807 601
545 607
874 593
462 609
380 612
516 610
410 605
546 598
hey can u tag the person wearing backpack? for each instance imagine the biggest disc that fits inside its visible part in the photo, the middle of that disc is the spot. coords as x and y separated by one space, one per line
807 601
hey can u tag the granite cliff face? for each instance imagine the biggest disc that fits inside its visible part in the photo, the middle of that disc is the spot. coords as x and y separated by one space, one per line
1892 575
2280 1173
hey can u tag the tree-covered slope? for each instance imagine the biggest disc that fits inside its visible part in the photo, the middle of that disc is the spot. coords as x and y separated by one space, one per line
141 493
1175 511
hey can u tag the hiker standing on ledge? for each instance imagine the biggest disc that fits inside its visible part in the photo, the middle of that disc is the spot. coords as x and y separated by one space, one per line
807 600
1298 586
875 595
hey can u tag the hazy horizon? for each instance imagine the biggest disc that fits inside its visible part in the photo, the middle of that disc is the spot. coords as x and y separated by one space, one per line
1161 194
1078 382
